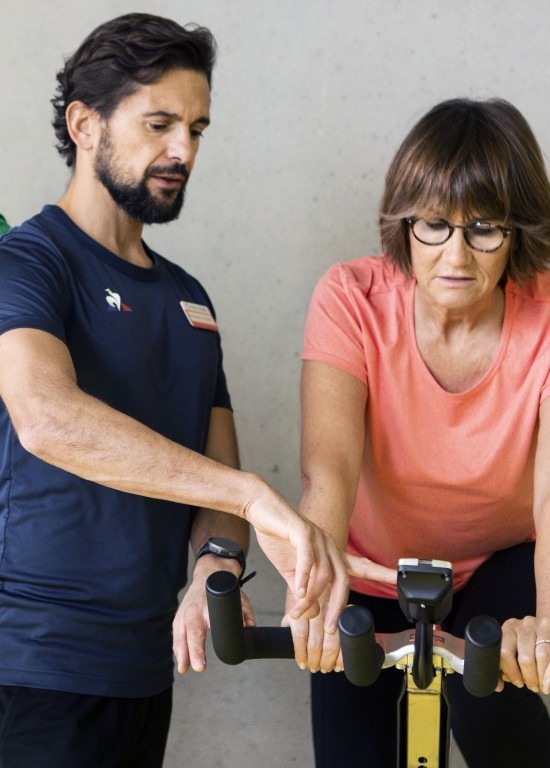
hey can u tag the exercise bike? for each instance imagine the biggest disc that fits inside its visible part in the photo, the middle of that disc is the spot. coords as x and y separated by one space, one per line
424 653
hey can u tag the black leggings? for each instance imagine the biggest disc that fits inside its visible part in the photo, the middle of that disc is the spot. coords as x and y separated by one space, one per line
355 727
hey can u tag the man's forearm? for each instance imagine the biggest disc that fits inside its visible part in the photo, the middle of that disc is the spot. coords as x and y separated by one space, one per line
64 426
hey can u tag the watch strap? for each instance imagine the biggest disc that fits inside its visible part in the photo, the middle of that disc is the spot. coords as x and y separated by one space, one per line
233 551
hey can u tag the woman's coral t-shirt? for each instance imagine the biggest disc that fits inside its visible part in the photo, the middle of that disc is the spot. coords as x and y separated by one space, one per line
445 475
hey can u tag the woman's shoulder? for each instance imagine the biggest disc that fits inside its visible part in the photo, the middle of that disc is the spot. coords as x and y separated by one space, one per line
536 289
368 274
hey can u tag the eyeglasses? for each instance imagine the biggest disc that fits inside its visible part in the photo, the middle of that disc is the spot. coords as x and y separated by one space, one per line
480 235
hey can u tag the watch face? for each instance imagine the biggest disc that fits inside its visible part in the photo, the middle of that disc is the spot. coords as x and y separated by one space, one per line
222 546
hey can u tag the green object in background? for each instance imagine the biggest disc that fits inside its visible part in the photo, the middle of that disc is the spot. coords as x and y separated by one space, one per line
4 226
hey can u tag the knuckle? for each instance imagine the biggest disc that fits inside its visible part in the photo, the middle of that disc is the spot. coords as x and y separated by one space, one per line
524 658
300 638
507 654
344 580
315 646
195 634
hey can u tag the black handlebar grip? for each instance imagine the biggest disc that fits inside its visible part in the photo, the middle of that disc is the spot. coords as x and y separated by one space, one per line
482 655
223 595
269 643
362 656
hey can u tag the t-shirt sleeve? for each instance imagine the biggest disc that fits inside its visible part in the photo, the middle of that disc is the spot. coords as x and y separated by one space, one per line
222 398
334 331
33 286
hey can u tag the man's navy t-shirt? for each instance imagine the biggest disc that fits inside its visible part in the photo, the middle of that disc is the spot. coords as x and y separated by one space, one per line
89 576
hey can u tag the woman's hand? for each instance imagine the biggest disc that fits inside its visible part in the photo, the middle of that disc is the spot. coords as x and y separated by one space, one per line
362 568
525 660
316 648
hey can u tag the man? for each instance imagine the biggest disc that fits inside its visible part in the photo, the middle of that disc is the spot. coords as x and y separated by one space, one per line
118 442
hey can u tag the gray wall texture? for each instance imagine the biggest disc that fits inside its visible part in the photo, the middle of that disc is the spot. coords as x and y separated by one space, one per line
310 100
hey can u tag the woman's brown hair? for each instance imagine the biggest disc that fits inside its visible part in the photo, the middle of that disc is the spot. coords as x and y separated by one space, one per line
477 159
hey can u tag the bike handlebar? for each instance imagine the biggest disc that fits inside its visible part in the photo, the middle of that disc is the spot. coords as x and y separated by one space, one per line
232 642
364 652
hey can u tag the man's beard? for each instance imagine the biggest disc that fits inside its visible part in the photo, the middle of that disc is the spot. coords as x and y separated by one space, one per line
134 198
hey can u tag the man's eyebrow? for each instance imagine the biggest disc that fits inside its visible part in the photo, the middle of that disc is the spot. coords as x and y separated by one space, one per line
174 116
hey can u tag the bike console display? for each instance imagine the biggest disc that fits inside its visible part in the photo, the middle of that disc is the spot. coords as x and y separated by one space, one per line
425 589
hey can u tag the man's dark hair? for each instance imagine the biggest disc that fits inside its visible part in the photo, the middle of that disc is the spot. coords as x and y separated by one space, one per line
119 56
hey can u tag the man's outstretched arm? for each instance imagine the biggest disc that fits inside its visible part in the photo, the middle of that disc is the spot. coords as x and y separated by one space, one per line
62 425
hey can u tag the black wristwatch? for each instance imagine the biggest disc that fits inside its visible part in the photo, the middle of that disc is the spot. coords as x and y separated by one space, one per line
224 548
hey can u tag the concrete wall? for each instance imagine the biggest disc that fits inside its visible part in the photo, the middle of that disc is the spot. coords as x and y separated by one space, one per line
310 100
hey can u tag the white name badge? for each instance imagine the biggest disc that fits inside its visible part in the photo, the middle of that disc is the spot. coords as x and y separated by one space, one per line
199 316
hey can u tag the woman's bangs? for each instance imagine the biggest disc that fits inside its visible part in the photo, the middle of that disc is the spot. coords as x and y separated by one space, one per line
461 192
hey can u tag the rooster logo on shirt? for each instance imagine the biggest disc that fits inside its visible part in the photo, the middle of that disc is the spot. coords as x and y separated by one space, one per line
114 301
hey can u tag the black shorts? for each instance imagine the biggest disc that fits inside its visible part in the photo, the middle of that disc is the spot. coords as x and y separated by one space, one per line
52 729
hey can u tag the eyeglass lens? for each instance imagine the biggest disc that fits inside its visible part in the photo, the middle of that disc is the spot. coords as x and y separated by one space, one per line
479 235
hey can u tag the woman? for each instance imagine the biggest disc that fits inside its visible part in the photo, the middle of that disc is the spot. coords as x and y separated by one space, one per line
426 426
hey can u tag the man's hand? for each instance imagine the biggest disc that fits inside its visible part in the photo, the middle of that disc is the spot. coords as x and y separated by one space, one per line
191 621
304 555
524 659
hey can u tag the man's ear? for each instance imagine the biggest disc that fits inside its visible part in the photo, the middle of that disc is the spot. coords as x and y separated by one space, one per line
83 125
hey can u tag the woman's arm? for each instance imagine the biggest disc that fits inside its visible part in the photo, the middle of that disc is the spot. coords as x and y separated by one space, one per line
524 662
333 438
